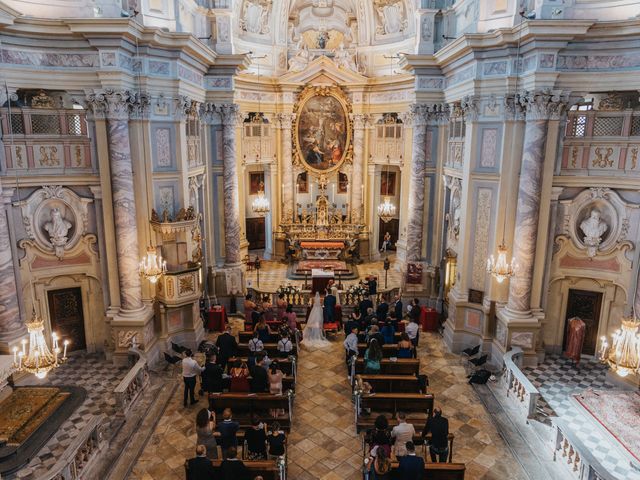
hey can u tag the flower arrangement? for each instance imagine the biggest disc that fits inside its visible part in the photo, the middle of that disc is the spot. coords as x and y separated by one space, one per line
356 292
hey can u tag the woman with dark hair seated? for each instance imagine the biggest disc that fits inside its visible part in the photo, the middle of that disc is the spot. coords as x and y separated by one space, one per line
379 435
256 438
372 357
405 347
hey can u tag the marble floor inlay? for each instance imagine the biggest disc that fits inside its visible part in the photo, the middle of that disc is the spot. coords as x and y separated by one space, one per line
323 443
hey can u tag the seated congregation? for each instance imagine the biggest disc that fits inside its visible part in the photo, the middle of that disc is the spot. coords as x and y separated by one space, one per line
249 383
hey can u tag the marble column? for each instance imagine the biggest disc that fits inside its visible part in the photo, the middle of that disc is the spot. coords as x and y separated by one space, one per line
230 117
357 207
539 108
415 223
11 326
116 107
285 121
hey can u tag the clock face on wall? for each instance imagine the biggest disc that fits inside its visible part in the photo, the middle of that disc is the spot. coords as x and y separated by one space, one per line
323 131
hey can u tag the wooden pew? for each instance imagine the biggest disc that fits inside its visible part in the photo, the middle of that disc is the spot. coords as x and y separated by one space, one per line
267 468
392 403
270 348
440 471
284 364
401 366
393 383
388 350
418 441
361 337
244 337
245 405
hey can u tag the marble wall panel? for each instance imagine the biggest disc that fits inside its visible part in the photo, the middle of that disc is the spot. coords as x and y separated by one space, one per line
484 203
163 147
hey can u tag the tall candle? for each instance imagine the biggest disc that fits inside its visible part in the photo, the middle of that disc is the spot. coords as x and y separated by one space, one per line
64 354
20 355
24 346
15 355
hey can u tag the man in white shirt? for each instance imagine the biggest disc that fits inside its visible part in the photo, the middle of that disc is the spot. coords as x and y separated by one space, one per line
351 346
190 369
412 332
402 433
284 346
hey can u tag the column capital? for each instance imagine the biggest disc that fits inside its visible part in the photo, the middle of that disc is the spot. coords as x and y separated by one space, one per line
417 116
227 114
360 120
186 106
513 109
543 105
285 120
470 106
118 104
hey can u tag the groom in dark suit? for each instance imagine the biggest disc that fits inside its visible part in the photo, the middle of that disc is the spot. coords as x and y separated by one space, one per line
329 307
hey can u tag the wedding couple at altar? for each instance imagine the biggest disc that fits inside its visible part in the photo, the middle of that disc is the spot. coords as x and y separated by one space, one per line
313 334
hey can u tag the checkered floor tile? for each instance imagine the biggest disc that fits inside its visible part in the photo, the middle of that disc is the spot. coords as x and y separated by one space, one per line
558 379
99 378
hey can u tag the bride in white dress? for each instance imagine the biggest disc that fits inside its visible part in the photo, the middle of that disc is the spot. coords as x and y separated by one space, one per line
313 334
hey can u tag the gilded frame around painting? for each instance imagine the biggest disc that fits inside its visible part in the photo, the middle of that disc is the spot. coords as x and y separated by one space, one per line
322 130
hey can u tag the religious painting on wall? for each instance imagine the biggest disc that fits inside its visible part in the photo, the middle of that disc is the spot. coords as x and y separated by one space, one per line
302 183
256 182
322 129
388 184
343 183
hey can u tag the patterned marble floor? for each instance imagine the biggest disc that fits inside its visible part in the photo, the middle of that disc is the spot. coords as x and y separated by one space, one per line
99 378
323 444
273 274
557 380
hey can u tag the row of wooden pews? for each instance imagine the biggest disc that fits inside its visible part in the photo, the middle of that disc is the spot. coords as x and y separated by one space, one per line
397 388
268 407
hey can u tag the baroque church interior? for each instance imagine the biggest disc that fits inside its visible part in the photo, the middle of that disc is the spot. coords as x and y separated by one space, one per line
319 239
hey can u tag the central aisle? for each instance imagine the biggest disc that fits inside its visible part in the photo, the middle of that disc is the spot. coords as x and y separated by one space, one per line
323 443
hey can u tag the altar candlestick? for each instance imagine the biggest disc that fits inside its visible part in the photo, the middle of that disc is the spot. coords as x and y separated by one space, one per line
24 347
64 354
20 355
55 355
15 355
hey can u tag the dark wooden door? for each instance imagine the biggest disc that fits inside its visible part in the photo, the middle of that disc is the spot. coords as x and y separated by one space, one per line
255 233
67 320
393 227
586 306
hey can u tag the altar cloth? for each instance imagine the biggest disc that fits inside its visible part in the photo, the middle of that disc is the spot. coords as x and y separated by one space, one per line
321 245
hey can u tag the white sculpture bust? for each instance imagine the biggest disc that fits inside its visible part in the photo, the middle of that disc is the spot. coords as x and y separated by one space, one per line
593 227
57 228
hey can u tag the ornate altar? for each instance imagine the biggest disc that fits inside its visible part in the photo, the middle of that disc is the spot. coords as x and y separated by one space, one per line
322 232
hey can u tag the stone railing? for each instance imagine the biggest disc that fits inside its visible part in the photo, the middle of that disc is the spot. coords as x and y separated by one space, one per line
132 385
578 458
518 385
78 459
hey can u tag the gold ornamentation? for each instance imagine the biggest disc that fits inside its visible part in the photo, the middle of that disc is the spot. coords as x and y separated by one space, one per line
185 285
19 156
49 159
78 156
602 160
574 157
306 95
634 158
42 100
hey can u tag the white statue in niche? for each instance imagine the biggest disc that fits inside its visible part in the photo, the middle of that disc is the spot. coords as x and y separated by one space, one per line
58 228
593 227
342 58
301 59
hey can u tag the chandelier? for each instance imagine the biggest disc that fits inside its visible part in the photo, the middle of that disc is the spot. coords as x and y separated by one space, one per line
260 204
386 210
152 266
38 359
501 269
623 356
